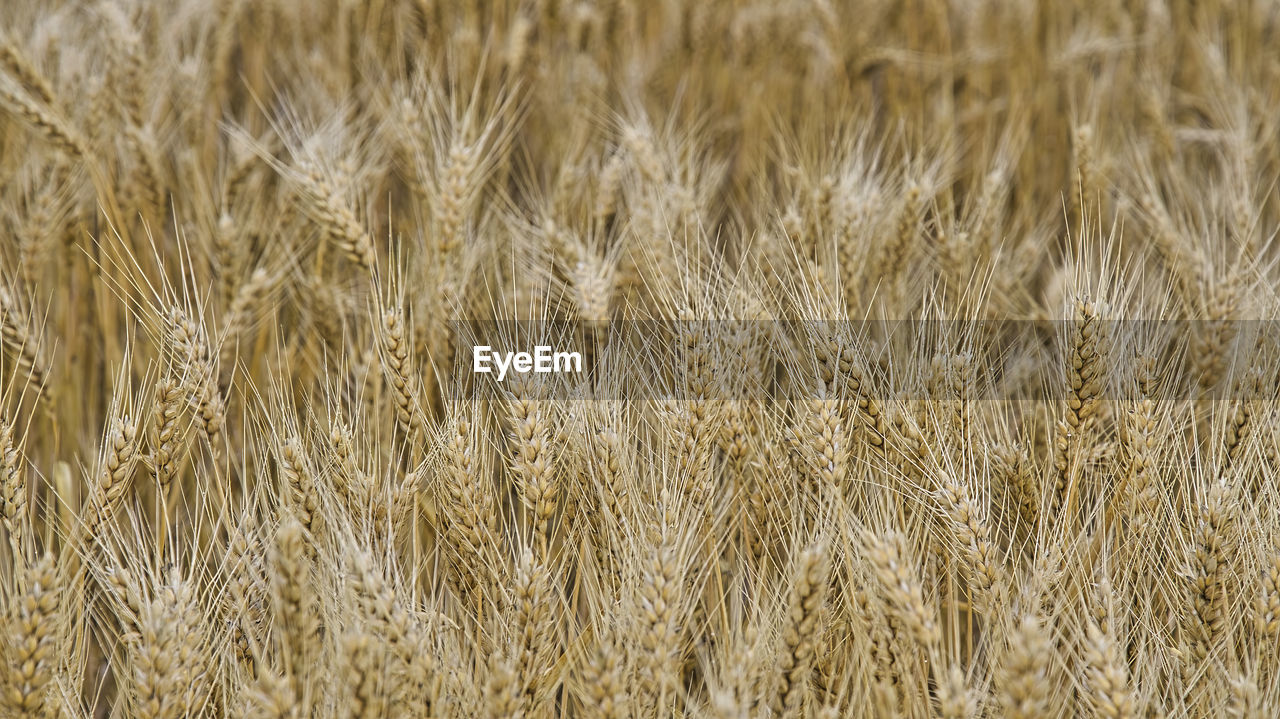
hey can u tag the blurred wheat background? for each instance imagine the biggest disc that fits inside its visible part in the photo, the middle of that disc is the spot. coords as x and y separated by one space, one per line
247 471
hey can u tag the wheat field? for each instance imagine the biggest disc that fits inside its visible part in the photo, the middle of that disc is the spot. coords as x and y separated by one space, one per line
930 359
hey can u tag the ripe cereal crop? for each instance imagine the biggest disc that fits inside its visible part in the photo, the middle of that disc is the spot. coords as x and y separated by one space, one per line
609 359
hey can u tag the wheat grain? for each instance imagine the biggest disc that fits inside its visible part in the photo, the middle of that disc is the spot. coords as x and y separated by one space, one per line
46 121
32 625
1267 604
364 698
167 655
532 467
901 587
800 632
1023 684
606 693
20 66
1212 547
973 534
1107 674
400 372
294 603
113 477
17 337
330 211
13 488
168 436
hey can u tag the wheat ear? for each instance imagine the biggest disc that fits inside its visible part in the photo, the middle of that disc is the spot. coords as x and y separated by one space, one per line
800 631
34 615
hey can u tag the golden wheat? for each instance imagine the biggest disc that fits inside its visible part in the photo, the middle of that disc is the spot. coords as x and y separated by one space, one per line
928 359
